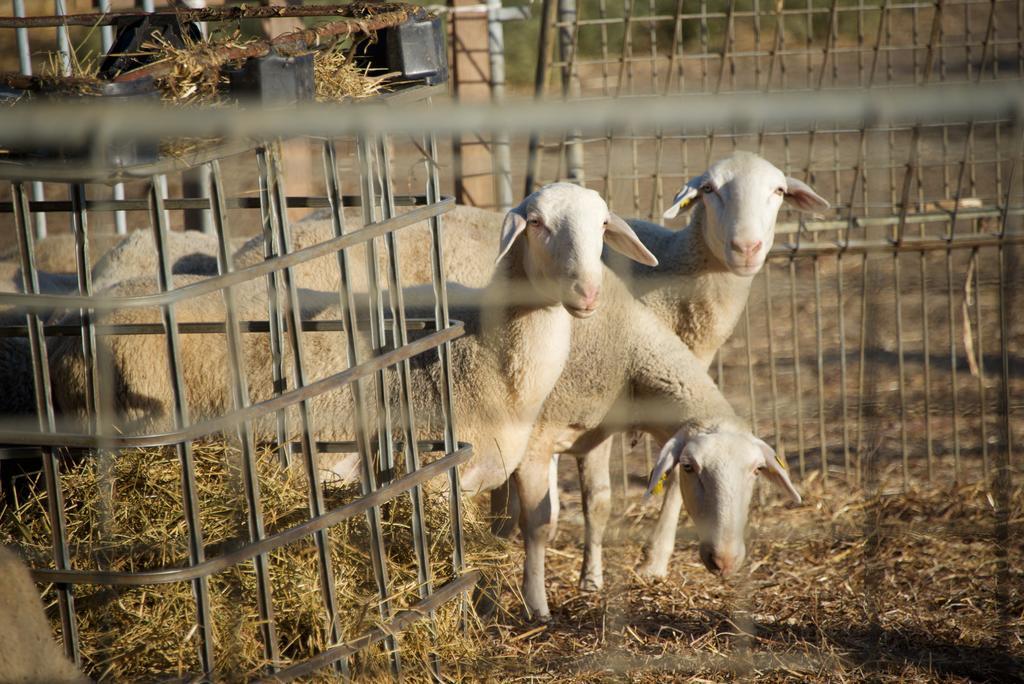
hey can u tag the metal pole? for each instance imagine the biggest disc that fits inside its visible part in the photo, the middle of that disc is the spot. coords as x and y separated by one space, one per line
106 40
25 66
501 158
570 86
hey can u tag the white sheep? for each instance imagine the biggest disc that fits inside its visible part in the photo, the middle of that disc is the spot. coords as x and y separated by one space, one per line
56 253
646 379
474 268
504 366
28 651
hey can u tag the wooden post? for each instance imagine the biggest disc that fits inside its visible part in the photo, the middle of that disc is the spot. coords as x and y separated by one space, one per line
471 76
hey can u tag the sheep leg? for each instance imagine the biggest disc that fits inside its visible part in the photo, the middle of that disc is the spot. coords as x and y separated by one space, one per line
595 482
504 510
533 482
663 539
556 504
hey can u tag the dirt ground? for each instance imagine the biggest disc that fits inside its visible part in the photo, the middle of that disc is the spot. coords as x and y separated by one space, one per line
855 584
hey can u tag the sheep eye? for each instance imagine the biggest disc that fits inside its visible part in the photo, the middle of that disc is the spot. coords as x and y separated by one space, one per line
780 191
687 467
707 187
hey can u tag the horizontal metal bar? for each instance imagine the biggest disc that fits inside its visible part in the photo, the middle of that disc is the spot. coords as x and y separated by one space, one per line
44 302
294 202
230 421
205 328
230 13
417 611
942 216
908 244
292 534
35 123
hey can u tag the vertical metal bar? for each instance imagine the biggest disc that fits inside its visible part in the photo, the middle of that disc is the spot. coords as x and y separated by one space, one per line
843 399
400 338
897 287
378 331
567 20
279 220
271 249
385 441
44 410
822 436
80 230
240 399
776 418
543 51
442 322
502 150
798 389
190 501
106 40
25 66
63 41
358 388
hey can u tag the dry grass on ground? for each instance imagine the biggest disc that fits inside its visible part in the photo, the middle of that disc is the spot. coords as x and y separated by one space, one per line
850 586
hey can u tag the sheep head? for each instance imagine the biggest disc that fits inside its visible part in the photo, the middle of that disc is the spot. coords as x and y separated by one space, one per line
717 474
565 227
742 195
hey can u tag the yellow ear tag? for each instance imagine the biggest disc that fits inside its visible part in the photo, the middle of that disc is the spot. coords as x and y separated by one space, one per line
660 487
778 459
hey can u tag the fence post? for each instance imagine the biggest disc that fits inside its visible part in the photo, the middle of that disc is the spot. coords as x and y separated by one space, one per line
570 86
502 157
471 75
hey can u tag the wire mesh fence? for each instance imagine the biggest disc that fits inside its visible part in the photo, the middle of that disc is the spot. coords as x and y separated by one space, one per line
909 279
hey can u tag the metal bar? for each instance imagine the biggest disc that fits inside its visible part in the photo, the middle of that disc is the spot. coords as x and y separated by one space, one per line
385 442
187 203
45 418
206 14
822 434
399 338
271 249
240 399
500 144
190 501
72 330
229 420
25 67
403 619
212 566
544 43
776 418
279 222
797 389
216 283
442 322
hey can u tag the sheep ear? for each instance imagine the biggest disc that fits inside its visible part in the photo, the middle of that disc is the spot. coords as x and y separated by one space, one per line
667 460
684 198
775 470
622 239
511 228
802 196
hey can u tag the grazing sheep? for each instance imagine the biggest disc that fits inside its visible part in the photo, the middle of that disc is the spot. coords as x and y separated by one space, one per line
504 366
648 379
56 252
474 268
28 651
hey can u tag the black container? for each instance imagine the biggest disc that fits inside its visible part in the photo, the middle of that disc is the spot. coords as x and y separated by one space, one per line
273 79
134 32
415 48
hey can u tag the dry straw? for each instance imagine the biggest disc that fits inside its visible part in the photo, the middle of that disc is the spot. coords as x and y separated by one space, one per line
124 513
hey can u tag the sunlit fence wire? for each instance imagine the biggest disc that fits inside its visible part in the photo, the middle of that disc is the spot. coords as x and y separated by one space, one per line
884 329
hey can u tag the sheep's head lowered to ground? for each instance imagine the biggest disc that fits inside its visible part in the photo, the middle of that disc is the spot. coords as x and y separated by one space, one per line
742 195
717 474
565 227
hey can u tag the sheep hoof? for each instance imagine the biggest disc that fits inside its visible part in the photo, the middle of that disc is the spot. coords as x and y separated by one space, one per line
651 571
590 583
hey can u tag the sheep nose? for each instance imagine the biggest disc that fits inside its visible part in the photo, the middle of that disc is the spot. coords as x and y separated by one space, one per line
587 293
748 248
723 563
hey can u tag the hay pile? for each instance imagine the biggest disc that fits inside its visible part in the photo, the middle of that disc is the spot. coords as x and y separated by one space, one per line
857 584
132 520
